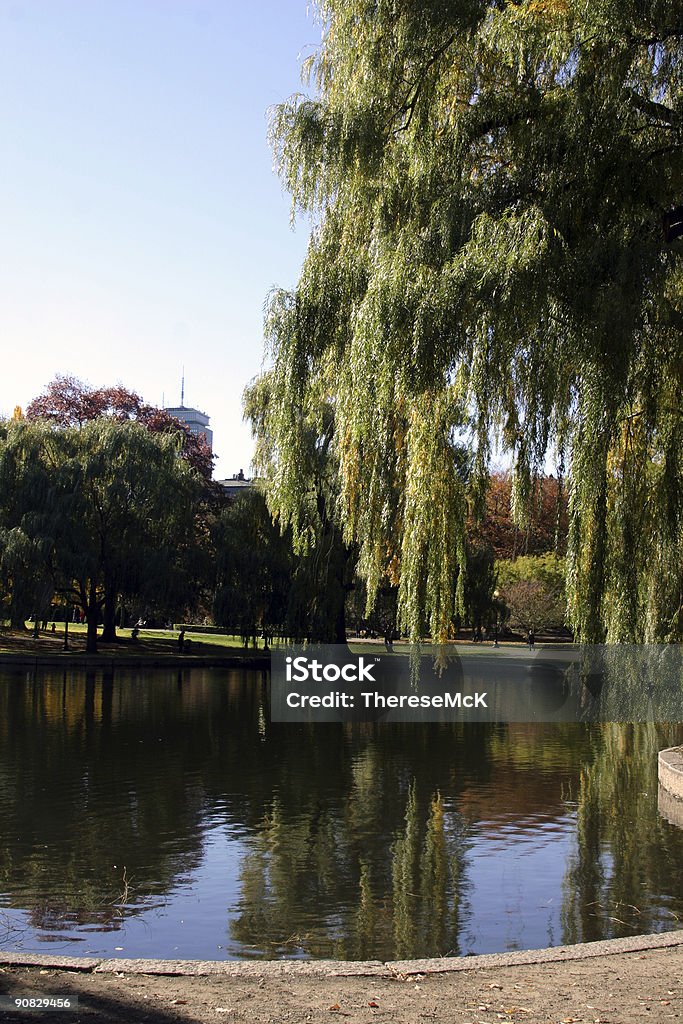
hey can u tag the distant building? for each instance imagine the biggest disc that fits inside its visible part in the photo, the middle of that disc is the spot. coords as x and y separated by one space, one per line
235 485
197 421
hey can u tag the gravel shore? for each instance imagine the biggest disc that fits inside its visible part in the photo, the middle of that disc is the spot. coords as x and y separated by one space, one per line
595 988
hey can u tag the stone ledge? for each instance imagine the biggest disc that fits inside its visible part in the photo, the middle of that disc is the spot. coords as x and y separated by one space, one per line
670 770
346 968
58 962
670 807
552 954
247 968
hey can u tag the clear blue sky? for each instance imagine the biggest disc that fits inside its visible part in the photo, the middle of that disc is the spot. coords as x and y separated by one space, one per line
142 223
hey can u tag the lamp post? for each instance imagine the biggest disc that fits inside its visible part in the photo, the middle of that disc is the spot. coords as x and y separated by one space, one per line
496 595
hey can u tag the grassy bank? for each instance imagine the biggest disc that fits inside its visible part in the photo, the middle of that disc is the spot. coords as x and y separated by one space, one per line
163 643
149 643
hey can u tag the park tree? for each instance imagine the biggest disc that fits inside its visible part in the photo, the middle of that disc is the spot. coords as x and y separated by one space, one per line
303 496
253 565
68 402
96 512
488 182
544 527
30 513
131 525
532 589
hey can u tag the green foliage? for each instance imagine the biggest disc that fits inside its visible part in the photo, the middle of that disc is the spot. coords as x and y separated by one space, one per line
253 567
134 515
98 512
296 455
29 518
548 569
488 181
480 586
533 589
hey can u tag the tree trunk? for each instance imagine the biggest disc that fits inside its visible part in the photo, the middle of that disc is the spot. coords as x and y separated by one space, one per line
109 616
340 619
19 610
92 615
336 590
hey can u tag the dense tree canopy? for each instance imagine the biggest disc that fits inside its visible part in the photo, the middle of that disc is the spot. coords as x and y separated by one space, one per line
489 179
97 513
532 590
253 568
29 516
131 524
69 402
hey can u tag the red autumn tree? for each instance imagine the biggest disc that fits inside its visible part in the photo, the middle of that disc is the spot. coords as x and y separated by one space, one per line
547 526
69 402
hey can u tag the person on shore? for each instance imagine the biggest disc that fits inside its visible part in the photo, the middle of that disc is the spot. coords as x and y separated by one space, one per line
181 641
531 639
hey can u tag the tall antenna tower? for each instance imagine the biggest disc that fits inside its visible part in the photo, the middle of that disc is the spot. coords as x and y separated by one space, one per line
182 389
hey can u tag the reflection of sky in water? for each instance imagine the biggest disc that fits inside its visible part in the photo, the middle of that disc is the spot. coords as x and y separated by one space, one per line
245 840
514 877
515 873
190 922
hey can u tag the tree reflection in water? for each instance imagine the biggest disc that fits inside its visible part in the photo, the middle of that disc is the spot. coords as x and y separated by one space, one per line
626 875
361 840
296 864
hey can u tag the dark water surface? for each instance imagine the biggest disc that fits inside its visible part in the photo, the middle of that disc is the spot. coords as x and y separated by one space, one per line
161 814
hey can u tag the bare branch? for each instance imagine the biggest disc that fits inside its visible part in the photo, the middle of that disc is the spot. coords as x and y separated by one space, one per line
651 108
413 94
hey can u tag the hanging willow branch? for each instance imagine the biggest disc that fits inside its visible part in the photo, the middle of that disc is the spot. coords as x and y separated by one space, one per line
494 268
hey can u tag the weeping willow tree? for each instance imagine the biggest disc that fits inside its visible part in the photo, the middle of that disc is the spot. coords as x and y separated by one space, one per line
487 182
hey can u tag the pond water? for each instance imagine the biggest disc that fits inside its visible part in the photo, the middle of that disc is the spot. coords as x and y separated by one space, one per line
161 814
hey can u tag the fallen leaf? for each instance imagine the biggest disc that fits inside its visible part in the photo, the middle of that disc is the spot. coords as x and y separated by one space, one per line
335 1006
372 1002
179 1002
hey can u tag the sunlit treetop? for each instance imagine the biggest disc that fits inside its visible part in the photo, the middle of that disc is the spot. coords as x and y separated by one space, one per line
68 402
488 182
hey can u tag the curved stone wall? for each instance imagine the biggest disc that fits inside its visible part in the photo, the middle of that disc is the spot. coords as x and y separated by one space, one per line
670 770
670 807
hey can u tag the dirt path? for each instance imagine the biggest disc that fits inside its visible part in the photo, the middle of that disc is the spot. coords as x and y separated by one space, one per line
617 988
